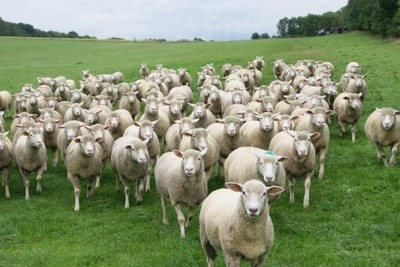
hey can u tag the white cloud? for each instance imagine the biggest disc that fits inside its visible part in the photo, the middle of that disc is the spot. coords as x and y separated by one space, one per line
172 20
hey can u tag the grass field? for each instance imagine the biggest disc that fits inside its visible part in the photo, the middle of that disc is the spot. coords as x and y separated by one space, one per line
354 216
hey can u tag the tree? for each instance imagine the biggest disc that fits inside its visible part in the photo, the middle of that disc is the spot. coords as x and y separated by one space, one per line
265 35
255 36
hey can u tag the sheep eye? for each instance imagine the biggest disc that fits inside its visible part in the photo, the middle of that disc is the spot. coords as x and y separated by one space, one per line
244 193
264 194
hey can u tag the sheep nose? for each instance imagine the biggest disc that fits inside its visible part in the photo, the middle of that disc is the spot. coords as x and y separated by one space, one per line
253 210
189 170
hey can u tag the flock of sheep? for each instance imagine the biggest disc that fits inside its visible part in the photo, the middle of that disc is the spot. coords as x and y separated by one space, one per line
260 135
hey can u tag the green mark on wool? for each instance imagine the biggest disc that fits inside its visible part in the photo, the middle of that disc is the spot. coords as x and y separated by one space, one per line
269 153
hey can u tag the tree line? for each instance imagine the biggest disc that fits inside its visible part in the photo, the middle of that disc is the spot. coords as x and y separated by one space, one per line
377 16
27 30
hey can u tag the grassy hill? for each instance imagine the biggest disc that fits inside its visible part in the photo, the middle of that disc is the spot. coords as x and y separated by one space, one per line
353 219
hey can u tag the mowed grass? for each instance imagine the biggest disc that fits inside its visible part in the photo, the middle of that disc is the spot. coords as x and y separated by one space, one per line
353 218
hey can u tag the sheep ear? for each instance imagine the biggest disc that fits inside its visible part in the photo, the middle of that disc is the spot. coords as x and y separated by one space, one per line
203 152
178 153
330 112
346 97
315 135
234 186
77 139
378 109
282 158
136 123
88 127
221 120
129 146
145 141
98 139
273 191
153 123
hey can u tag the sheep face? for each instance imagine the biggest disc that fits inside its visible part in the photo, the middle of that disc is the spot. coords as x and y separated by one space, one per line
330 89
114 119
214 95
46 113
302 142
76 96
388 117
146 129
91 117
86 144
191 161
285 122
49 124
131 97
268 166
3 137
232 125
76 109
98 131
33 99
319 116
71 131
199 110
354 101
266 121
175 107
268 103
199 139
137 152
186 124
152 106
237 97
35 136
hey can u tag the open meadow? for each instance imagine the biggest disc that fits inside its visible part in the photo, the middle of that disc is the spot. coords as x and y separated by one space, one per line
354 215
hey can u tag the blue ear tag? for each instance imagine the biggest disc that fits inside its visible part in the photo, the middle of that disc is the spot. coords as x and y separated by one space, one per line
269 153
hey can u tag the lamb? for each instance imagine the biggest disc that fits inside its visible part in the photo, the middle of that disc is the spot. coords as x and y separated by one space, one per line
174 133
258 133
297 146
75 112
6 159
145 131
357 84
144 70
353 67
244 211
50 134
348 108
247 163
131 103
30 156
105 140
201 112
184 77
119 120
69 130
5 101
315 120
152 113
97 115
83 161
180 178
382 128
199 139
226 134
130 160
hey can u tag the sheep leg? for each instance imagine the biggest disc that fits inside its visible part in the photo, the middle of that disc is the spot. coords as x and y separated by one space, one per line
393 152
259 262
98 177
353 132
91 187
342 127
147 186
381 153
190 215
75 183
116 184
164 210
232 260
322 156
54 156
126 191
39 179
139 188
291 188
211 253
181 219
25 180
5 181
307 185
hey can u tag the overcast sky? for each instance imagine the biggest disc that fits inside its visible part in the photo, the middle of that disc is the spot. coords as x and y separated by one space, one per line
171 20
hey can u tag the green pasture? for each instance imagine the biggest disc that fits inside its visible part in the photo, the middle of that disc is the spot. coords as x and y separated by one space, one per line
354 214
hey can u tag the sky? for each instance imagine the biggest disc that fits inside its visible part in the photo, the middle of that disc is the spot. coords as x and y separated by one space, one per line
217 20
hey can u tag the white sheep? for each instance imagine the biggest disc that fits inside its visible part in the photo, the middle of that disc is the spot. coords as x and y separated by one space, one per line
20 119
69 130
174 133
382 128
144 70
353 67
34 103
298 148
259 63
246 163
97 115
30 156
315 120
203 114
264 104
237 221
101 100
131 103
240 111
63 92
75 112
152 113
77 97
130 161
215 101
184 77
119 120
6 159
348 108
50 135
172 108
83 161
5 101
356 85
226 69
278 67
180 178
258 133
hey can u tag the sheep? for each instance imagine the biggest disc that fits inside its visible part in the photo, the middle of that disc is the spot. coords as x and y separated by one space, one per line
282 89
261 91
278 68
105 140
233 97
35 103
87 75
171 80
315 120
348 108
144 70
237 221
328 89
284 122
241 111
259 63
20 119
145 131
181 93
299 82
50 134
19 103
382 128
46 81
6 159
68 131
97 115
226 133
5 101
117 77
226 69
152 113
30 156
111 91
77 97
174 133
201 79
172 109
101 100
288 74
130 160
233 83
302 70
83 161
2 122
201 112
199 139
131 103
353 67
213 80
315 101
180 178
184 77
215 101
246 163
123 88
258 133
119 120
357 84
75 112
44 90
264 104
61 107
204 93
63 92
297 146
288 106
257 76
90 87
